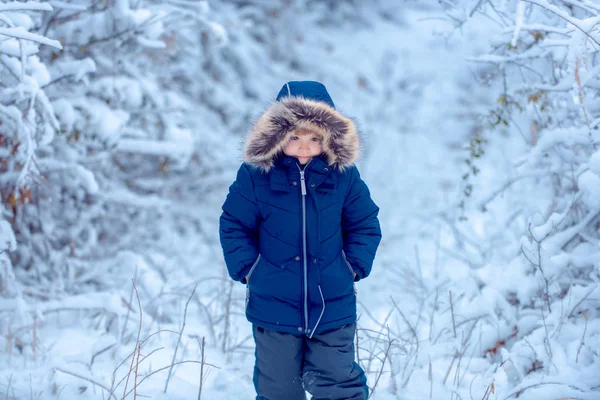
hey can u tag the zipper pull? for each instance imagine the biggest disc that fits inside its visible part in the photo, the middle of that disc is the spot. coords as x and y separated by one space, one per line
302 183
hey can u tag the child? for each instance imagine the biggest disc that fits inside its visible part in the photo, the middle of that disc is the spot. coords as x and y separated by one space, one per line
298 228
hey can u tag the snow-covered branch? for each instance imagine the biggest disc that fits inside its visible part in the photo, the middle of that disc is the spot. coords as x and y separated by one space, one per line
25 6
584 26
20 33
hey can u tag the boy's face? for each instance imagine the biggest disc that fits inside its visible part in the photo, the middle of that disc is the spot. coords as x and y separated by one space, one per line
304 145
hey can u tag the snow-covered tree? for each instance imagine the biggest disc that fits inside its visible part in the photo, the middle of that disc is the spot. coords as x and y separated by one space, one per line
27 126
531 193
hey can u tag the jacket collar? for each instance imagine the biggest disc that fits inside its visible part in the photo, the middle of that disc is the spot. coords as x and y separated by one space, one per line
281 177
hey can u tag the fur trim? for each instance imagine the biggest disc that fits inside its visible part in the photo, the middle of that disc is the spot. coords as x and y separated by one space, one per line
271 132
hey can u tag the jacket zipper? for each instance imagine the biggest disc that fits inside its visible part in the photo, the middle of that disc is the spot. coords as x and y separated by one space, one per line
305 264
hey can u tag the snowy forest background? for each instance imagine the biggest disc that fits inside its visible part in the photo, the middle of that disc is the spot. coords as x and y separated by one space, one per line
121 127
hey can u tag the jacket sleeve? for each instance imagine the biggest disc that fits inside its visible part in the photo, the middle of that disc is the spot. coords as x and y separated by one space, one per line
360 226
239 226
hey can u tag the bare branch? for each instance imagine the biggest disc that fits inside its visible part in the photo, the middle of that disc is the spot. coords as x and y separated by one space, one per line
179 338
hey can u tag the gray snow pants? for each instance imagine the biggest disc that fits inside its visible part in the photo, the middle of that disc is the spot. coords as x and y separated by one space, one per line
288 364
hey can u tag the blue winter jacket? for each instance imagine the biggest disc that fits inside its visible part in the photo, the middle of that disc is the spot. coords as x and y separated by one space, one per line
300 232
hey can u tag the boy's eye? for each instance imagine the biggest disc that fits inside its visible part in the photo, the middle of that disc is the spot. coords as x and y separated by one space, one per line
294 138
315 139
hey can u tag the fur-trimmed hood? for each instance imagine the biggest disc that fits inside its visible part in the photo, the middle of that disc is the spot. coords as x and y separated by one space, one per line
273 129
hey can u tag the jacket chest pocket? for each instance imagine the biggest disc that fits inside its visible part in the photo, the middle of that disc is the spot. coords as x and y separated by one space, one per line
328 194
327 188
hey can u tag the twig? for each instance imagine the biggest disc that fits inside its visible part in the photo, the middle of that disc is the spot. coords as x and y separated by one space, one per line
430 376
555 10
414 333
433 313
582 338
380 333
227 317
470 359
113 387
211 323
129 307
60 392
8 387
169 366
460 357
452 313
460 354
488 392
546 338
179 338
202 345
583 6
539 265
241 343
100 352
471 386
387 350
582 300
137 344
87 379
483 204
517 392
418 261
450 367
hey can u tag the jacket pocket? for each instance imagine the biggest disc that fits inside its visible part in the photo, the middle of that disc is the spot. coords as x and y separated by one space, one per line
351 272
248 279
348 264
252 268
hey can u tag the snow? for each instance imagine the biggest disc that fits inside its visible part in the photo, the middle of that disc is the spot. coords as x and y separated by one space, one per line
151 44
518 23
20 33
149 125
39 72
595 163
108 123
12 48
26 5
219 32
65 113
77 68
589 184
174 149
7 237
67 6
